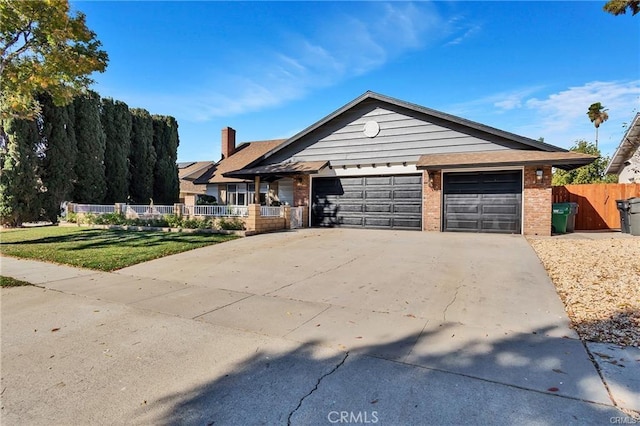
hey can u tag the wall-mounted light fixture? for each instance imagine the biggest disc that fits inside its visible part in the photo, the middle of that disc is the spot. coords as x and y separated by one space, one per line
539 174
430 179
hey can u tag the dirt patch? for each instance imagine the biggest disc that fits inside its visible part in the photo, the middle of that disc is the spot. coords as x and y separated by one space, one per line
599 282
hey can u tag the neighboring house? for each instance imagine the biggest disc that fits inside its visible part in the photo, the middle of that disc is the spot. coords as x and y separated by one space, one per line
209 180
187 174
380 162
626 161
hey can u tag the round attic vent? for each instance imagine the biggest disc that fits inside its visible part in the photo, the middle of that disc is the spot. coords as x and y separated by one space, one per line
371 129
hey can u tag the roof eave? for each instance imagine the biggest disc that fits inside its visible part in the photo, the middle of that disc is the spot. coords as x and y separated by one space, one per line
626 149
248 173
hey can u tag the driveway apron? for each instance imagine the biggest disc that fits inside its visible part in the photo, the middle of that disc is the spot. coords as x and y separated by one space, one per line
473 304
302 327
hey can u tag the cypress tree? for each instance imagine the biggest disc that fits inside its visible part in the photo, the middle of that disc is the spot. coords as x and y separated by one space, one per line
166 185
60 154
19 183
91 186
142 157
116 123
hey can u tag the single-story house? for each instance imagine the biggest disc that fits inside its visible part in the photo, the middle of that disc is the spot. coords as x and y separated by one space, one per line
239 191
379 162
626 160
188 172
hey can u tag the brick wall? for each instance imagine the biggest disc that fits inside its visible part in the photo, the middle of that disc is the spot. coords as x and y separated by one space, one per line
431 201
537 202
260 224
301 190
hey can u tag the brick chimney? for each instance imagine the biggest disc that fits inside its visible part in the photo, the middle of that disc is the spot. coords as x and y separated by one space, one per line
228 142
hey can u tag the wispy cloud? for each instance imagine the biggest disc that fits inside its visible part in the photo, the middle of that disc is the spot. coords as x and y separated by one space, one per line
339 47
560 117
496 102
560 110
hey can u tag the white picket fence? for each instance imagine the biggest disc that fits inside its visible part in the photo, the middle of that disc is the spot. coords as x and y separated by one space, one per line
148 210
160 210
268 211
215 211
95 208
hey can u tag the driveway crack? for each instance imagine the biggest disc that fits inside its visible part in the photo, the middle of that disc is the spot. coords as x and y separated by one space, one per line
455 296
315 388
313 276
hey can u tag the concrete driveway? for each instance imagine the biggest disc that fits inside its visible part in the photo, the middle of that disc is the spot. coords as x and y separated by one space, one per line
311 327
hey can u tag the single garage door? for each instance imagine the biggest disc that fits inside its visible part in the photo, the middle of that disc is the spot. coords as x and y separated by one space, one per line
387 202
483 202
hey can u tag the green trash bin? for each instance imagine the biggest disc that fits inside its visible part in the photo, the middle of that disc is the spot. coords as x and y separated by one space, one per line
559 216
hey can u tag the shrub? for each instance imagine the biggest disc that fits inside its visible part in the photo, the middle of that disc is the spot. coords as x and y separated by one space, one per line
174 220
88 218
231 224
72 217
206 200
110 219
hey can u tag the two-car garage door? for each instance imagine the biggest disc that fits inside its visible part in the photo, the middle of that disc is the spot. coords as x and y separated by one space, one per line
386 202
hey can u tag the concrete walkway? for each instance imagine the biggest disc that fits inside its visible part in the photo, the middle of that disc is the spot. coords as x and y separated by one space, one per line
301 328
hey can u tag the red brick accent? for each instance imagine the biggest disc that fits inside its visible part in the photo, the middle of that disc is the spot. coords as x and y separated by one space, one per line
431 200
301 185
537 201
228 142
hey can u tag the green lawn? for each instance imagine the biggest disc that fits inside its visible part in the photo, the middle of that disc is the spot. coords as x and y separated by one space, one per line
104 250
11 282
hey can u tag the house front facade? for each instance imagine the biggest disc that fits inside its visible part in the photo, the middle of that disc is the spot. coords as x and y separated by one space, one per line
382 163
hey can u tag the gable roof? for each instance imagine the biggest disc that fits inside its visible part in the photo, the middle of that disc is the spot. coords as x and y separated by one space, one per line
527 143
629 144
244 154
189 172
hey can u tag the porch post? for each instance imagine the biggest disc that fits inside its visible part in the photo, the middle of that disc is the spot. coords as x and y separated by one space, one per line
256 193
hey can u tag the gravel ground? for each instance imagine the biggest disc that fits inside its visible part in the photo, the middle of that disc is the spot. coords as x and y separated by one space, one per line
599 282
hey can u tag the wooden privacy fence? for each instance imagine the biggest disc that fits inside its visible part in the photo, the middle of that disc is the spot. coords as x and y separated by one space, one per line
597 207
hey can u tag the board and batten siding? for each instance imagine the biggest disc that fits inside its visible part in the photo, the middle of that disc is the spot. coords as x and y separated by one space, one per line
404 136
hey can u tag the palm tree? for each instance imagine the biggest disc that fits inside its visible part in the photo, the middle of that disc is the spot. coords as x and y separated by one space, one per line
598 115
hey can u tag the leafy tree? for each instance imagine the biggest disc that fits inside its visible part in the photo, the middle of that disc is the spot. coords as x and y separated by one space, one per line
142 157
44 48
116 123
619 7
19 184
60 155
598 115
592 173
91 185
166 184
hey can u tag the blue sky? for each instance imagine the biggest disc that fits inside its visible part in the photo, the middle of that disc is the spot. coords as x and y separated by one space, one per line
270 69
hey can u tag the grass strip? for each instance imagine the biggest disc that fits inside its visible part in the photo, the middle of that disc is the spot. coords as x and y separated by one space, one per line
99 249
